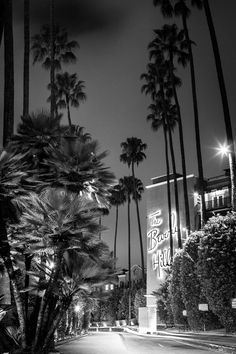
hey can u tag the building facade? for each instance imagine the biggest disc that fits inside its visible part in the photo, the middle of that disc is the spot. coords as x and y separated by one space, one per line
217 200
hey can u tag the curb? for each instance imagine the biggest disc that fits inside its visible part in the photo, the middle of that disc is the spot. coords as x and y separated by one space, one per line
216 347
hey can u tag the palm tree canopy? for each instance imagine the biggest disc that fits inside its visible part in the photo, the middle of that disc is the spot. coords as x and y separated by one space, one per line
133 151
170 42
117 196
166 7
64 49
68 90
177 7
127 185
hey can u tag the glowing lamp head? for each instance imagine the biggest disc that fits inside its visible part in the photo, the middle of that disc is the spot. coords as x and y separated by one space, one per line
223 149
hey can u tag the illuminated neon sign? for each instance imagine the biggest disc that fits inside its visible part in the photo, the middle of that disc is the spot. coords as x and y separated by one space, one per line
158 249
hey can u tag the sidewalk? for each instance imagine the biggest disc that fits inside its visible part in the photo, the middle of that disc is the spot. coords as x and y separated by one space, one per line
216 340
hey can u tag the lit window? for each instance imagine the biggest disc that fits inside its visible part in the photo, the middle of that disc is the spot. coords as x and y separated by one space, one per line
112 286
107 287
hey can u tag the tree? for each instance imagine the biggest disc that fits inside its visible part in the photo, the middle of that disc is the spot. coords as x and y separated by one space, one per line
217 267
127 185
177 304
58 204
224 99
133 153
52 48
117 198
155 87
164 300
26 57
8 114
69 92
182 10
169 41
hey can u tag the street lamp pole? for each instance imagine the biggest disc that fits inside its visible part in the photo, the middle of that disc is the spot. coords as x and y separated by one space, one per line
232 181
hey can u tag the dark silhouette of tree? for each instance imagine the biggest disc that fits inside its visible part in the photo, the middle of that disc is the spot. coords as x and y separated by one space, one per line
224 99
52 48
8 114
168 42
179 8
154 86
117 198
133 153
26 57
127 185
69 91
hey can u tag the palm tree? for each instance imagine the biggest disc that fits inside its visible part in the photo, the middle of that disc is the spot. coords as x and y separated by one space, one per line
117 198
154 86
133 153
8 114
127 184
52 57
55 38
2 19
26 57
167 42
62 216
224 99
180 8
69 92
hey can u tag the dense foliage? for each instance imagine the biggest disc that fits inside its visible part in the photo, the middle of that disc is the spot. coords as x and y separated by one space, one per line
217 267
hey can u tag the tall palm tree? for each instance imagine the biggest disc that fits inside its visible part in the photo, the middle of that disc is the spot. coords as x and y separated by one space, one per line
133 153
69 92
127 185
8 114
2 19
167 42
155 87
224 99
52 57
26 57
52 48
180 8
117 198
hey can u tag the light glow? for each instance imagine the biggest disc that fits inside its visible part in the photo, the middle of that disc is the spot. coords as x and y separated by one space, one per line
223 149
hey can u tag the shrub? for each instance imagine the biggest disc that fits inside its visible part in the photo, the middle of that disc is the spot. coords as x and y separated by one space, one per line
177 304
217 267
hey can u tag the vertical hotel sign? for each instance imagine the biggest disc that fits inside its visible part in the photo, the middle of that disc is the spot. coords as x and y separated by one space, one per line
158 241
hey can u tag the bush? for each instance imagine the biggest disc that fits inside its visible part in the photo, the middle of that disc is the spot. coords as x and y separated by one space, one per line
164 301
217 267
177 304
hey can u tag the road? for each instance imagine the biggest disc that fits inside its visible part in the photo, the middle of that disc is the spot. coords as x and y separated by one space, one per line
127 343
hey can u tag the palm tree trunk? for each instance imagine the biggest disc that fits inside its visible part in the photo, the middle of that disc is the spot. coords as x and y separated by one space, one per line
52 48
139 224
129 263
168 193
115 237
68 113
2 19
196 122
8 115
182 150
26 57
220 75
5 254
175 187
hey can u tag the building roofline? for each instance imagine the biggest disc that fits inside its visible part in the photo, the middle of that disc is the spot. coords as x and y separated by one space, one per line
165 182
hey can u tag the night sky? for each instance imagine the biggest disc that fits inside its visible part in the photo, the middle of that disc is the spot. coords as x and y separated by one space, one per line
113 37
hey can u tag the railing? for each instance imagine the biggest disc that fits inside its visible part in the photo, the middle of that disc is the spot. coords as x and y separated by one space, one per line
218 203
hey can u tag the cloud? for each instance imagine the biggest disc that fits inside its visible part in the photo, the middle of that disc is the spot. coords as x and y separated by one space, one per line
79 16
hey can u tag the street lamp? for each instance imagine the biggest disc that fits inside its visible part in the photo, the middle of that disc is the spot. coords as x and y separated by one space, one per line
224 150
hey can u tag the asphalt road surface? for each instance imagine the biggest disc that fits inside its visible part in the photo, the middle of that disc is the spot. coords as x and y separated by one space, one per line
126 343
